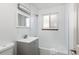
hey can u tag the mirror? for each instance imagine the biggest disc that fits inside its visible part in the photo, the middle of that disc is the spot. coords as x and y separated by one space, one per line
23 21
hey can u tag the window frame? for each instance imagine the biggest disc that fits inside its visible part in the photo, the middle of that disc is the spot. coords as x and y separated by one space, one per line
56 29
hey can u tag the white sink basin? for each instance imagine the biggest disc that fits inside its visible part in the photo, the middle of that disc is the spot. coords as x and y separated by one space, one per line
28 39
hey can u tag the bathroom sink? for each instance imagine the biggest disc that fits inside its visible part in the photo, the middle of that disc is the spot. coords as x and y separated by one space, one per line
28 39
28 46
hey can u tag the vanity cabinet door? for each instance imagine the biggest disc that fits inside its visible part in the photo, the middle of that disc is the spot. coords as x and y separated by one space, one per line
24 48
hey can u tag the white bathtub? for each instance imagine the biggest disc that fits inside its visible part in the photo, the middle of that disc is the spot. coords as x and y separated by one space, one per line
6 49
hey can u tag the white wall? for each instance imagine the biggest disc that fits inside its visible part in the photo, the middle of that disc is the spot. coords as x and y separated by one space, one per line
7 22
55 39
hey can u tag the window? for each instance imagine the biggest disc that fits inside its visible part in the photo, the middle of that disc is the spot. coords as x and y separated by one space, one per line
46 21
28 22
50 22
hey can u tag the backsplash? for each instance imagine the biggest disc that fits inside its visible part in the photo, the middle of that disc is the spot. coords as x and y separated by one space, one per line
21 32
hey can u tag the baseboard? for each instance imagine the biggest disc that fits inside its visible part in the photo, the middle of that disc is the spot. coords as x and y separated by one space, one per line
46 51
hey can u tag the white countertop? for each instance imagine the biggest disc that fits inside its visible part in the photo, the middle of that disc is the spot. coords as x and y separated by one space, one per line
28 39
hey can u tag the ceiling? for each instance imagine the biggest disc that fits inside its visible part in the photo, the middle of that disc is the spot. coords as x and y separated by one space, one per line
41 6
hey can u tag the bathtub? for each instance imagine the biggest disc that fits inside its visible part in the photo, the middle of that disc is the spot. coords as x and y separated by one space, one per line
6 49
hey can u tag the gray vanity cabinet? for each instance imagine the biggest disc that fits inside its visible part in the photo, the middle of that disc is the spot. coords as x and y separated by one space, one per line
24 48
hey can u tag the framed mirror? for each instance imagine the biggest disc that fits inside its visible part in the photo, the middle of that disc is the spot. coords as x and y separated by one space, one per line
23 21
